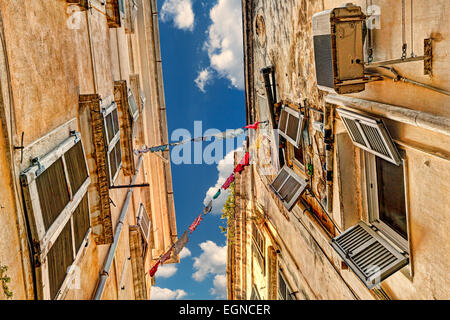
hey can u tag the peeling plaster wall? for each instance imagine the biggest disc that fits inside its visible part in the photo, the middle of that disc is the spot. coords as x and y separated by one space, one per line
50 65
281 36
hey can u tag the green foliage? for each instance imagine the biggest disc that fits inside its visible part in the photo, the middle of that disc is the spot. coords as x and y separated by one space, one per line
310 169
4 279
228 213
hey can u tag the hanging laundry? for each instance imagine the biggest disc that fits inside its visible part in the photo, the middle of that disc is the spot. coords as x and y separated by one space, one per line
228 182
252 126
228 134
181 243
243 163
166 255
208 208
154 269
159 148
196 222
217 194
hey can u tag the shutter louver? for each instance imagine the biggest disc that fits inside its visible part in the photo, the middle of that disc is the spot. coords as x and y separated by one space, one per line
53 192
288 186
290 125
144 222
57 206
368 254
370 134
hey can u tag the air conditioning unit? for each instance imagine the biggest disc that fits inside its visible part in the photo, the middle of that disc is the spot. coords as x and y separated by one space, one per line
83 4
338 49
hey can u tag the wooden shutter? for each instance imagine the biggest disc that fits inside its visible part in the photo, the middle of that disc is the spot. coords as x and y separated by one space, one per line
137 253
370 134
290 125
57 207
288 186
368 254
144 222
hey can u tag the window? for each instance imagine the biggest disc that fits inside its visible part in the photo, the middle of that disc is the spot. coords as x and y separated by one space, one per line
144 222
115 9
386 197
132 106
288 186
112 131
370 134
255 294
368 254
258 246
284 291
57 206
290 126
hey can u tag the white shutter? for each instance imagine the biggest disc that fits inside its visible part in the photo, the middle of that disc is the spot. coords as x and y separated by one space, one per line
144 222
368 254
290 125
370 134
55 195
288 186
132 106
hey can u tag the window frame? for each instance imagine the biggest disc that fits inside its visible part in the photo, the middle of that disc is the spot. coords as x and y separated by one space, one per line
259 251
43 239
373 203
134 116
303 183
301 124
141 212
289 291
112 143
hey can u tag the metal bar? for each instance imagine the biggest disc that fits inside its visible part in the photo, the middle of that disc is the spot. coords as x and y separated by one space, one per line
130 186
394 61
112 249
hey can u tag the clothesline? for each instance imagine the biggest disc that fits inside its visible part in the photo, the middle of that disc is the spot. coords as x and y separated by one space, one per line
218 136
184 239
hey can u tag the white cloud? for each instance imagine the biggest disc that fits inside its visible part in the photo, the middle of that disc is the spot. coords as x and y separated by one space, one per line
225 41
213 260
180 11
204 77
166 271
224 168
220 286
158 293
185 252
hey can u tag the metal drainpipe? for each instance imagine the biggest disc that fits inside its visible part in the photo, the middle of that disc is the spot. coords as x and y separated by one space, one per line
112 249
328 139
266 74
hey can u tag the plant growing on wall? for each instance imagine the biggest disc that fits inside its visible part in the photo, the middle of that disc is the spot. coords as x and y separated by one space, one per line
228 213
4 279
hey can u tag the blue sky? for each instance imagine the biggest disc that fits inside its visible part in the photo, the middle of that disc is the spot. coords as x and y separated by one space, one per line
201 47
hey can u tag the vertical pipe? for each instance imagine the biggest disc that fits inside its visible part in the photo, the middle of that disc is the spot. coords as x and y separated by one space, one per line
112 249
266 75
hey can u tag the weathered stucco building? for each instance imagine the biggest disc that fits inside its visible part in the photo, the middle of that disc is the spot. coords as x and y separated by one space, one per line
82 216
353 203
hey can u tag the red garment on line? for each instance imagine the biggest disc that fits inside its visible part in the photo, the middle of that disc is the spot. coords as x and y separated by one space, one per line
228 182
244 162
196 222
252 126
154 269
